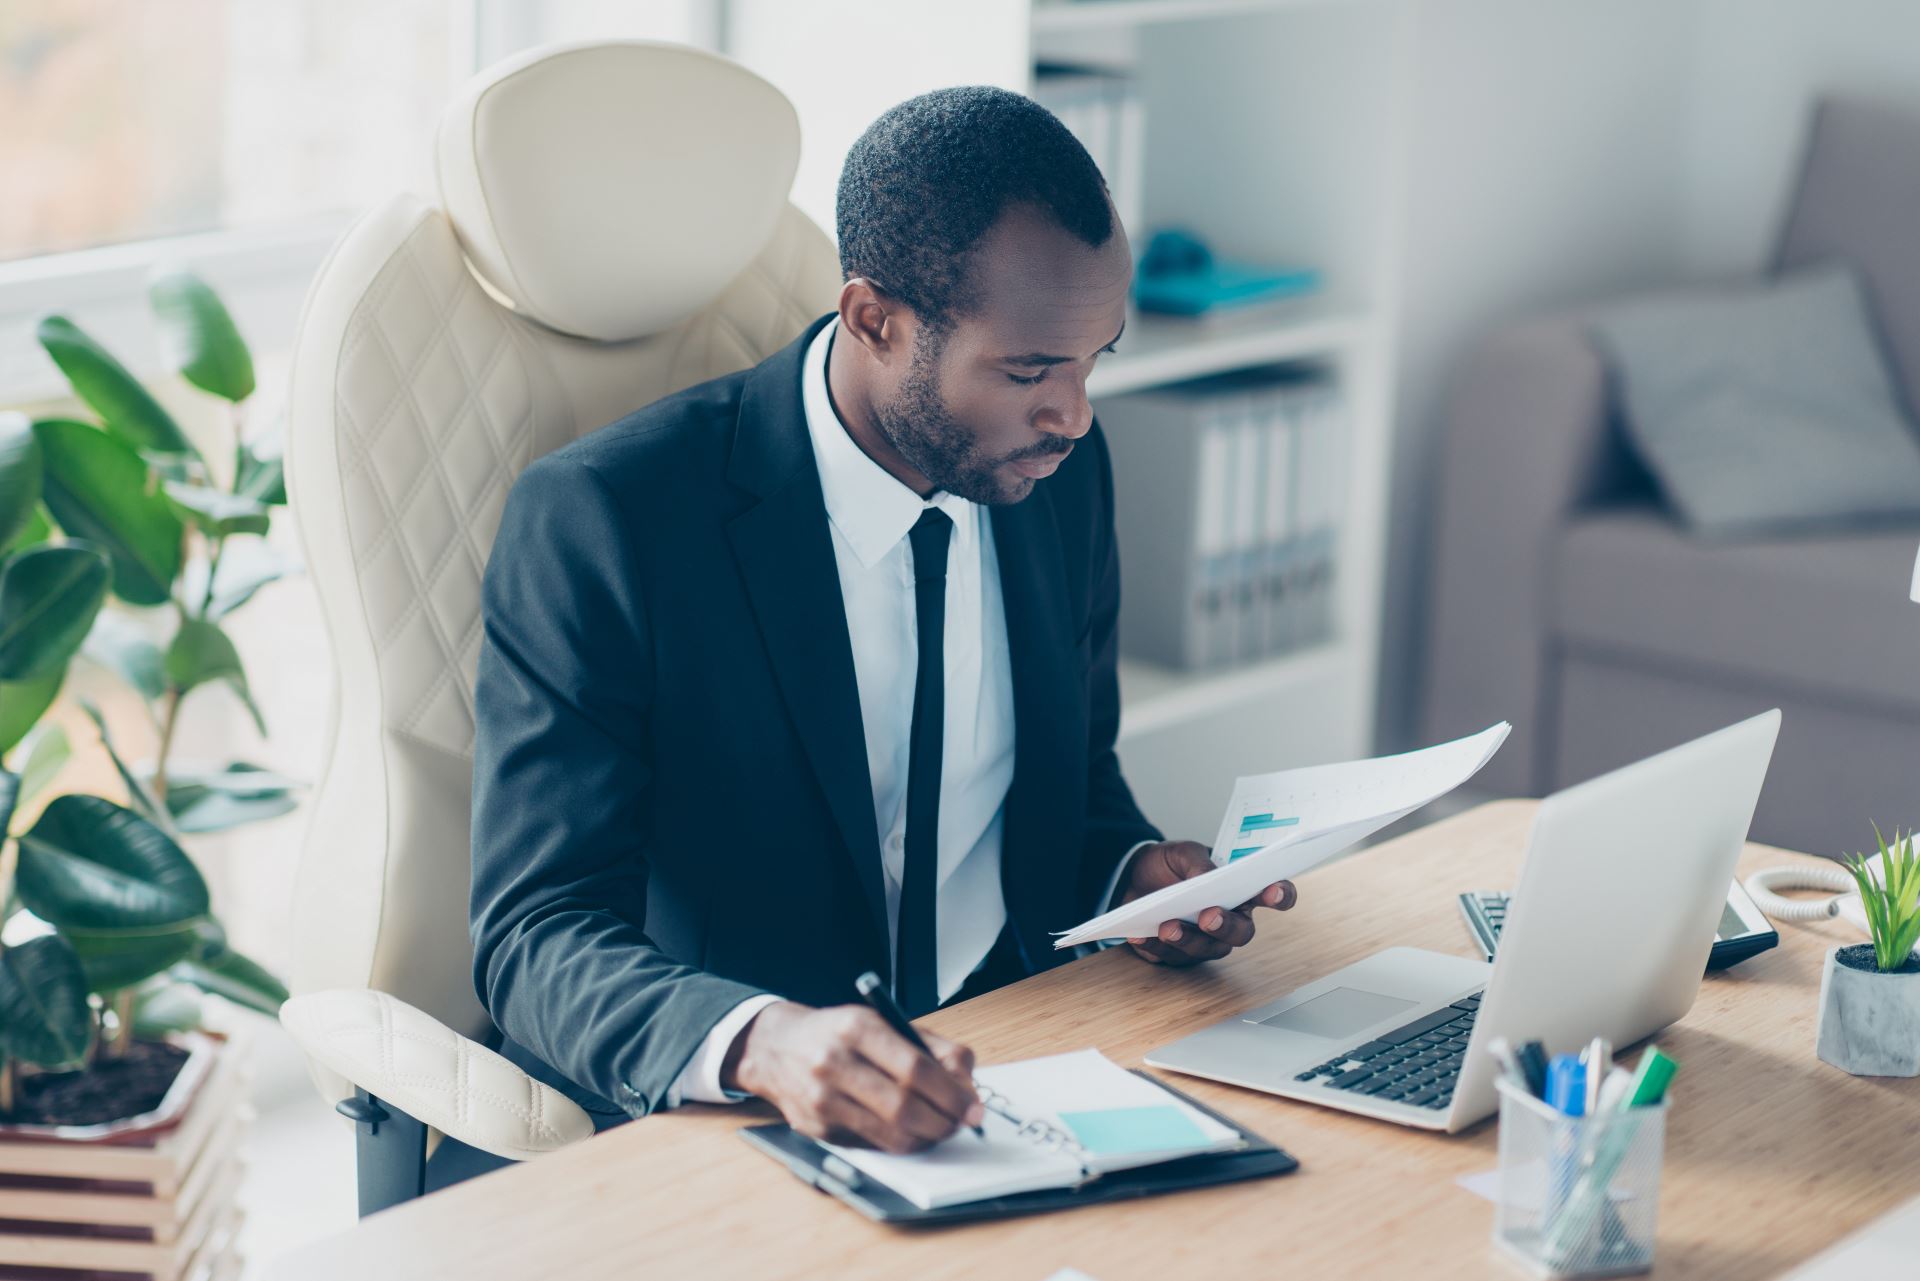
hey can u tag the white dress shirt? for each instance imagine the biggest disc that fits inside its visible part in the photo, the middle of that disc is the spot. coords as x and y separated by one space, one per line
870 513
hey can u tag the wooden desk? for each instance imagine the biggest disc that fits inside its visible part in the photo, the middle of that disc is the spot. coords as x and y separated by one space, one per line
1771 1154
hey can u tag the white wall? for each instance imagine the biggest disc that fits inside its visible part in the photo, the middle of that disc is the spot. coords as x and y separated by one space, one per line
1545 165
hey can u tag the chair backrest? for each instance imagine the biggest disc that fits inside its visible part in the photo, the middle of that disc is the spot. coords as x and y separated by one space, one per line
614 226
1859 202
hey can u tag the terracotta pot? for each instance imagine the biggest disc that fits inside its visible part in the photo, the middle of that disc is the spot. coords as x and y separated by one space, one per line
151 1195
1869 1020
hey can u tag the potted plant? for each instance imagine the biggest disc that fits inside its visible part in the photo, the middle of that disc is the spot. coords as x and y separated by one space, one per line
1870 992
107 930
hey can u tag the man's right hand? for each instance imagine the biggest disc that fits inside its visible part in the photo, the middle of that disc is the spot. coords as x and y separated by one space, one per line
841 1074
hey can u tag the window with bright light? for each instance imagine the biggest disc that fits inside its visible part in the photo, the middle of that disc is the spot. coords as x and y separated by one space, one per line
134 119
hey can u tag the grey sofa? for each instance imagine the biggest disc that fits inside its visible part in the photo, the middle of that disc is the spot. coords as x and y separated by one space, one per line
1565 598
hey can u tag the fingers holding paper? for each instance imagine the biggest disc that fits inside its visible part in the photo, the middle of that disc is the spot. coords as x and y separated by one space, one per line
1217 930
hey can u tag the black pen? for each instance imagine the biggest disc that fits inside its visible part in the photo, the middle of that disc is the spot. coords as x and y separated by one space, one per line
875 993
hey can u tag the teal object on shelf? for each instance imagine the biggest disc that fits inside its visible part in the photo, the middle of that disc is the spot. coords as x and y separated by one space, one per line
1179 275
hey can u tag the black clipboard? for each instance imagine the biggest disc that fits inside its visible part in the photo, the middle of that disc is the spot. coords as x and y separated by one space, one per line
808 1162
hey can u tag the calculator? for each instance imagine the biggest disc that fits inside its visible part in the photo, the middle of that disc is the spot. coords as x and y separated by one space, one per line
1743 931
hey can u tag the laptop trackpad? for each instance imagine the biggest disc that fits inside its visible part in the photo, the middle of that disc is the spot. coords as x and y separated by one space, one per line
1339 1013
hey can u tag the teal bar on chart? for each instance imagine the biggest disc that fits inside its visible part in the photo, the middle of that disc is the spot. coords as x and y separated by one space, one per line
1262 822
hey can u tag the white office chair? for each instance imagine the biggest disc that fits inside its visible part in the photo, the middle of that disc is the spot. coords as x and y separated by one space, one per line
613 226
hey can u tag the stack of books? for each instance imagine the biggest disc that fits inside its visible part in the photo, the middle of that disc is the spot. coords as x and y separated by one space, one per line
1228 494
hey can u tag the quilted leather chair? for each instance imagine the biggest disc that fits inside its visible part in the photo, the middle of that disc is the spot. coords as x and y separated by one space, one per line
612 225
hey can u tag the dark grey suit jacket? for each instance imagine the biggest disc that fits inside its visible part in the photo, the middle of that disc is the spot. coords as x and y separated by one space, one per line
671 808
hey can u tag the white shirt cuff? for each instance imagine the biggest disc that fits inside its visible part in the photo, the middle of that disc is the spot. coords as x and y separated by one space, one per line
1113 885
699 1080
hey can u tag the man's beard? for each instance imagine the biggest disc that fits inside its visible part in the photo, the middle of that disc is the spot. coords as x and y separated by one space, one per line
918 424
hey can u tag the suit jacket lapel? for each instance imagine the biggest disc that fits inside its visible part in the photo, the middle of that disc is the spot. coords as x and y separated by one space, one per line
785 552
1040 854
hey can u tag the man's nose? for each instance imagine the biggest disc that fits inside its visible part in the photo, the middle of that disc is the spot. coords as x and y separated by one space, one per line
1072 416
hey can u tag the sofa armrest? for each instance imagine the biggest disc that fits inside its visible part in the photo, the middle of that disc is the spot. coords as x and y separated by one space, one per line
408 1058
1528 440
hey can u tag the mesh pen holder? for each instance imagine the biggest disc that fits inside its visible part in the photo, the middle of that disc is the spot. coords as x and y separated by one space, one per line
1578 1195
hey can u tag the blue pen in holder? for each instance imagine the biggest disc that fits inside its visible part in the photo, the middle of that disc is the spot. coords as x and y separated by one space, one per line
1579 1195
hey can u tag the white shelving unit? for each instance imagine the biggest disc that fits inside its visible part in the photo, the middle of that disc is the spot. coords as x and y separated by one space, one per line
1274 129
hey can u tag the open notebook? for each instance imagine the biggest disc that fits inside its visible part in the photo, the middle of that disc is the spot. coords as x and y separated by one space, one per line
1052 1122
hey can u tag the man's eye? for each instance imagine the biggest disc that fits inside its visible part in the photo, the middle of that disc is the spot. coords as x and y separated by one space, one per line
1028 382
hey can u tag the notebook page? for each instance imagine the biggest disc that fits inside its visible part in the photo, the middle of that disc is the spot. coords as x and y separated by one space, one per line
966 1168
1121 1120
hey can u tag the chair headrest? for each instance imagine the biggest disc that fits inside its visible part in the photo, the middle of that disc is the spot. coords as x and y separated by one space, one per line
610 190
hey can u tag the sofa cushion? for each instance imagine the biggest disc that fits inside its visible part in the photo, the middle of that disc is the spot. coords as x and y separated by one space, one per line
1763 407
1827 615
1859 202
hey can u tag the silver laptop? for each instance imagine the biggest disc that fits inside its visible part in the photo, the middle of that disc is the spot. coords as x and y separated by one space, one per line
1607 935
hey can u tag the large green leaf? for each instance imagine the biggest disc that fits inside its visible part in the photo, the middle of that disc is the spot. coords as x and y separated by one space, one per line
128 409
200 336
118 644
19 476
47 752
216 512
23 702
238 978
48 599
99 489
44 1017
89 864
115 959
37 530
201 652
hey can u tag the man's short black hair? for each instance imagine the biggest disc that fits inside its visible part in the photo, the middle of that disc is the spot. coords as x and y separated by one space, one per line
930 177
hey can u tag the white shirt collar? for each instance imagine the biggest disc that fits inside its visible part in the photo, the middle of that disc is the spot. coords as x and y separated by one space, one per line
872 510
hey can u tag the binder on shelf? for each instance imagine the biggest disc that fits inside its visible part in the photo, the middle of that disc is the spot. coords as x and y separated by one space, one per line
1228 491
1103 108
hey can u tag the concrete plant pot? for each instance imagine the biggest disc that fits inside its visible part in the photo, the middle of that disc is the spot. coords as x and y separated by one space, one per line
1869 1020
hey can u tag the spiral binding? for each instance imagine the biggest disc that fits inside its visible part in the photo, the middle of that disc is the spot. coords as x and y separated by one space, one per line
1033 1130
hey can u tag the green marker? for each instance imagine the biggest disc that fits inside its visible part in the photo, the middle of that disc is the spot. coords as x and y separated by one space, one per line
1579 1219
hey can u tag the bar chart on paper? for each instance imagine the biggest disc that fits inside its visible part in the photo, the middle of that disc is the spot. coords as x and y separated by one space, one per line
1257 831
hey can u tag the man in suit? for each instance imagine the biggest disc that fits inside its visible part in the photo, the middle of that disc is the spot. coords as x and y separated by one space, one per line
810 669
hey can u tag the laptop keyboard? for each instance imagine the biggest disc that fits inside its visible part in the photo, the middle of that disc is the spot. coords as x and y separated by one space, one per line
1417 1063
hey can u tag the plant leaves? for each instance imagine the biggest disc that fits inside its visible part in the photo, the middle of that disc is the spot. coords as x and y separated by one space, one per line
37 530
201 652
99 489
47 752
144 801
118 644
259 468
165 1005
238 978
48 599
89 864
23 702
19 476
128 409
44 1017
216 512
214 800
246 565
199 334
10 790
116 959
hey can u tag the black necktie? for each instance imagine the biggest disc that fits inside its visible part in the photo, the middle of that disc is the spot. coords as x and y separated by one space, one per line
916 982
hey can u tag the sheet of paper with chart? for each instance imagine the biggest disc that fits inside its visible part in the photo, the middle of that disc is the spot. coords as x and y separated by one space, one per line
1280 825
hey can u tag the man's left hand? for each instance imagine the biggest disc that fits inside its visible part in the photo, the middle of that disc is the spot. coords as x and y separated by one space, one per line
1219 929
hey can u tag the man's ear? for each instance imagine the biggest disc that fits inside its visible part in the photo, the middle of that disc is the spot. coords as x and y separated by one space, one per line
875 319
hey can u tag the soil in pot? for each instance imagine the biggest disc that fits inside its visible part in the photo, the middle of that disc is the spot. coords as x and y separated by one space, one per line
1860 956
108 1091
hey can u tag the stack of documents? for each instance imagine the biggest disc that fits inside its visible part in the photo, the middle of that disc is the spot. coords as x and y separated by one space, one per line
1280 825
1230 491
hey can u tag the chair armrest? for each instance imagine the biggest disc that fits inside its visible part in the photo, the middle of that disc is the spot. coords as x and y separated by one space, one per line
1528 440
452 1083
